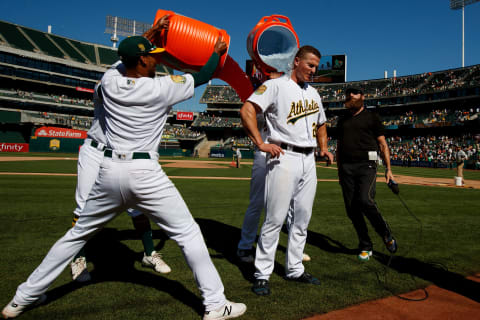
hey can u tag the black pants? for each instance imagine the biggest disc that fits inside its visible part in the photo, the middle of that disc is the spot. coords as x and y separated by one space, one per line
358 181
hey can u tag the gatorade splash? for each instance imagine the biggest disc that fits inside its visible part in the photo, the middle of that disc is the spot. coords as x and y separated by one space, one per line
273 44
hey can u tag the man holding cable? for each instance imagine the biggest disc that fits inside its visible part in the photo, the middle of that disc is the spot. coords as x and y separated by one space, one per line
360 137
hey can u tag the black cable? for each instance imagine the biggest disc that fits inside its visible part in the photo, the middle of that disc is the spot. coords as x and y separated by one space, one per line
415 244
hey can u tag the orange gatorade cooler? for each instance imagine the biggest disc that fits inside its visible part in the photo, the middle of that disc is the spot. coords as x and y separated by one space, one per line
189 43
272 44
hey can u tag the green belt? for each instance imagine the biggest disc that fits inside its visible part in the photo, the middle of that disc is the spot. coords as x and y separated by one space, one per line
94 144
135 155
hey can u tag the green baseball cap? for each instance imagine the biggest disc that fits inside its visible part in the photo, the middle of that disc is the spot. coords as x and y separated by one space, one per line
136 46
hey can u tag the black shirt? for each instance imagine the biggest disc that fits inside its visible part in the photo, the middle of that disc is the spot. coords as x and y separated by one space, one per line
357 135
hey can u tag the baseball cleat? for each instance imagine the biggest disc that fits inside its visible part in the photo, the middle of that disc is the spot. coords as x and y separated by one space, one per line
305 278
246 256
391 244
79 270
156 262
306 257
228 311
13 310
260 287
365 255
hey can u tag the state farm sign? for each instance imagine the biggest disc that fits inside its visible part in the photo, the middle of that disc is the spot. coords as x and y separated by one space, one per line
13 147
181 115
53 132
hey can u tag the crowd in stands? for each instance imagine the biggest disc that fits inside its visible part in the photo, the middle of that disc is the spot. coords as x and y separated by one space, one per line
61 99
58 119
433 149
207 120
179 132
437 116
220 94
388 87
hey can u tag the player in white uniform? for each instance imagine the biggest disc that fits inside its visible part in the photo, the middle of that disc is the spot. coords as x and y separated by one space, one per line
296 123
136 109
245 251
89 159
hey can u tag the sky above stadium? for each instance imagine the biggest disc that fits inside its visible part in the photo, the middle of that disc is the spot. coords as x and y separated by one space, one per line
409 36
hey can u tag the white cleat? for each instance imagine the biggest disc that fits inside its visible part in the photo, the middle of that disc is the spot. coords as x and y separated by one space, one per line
306 257
79 270
156 262
13 310
228 311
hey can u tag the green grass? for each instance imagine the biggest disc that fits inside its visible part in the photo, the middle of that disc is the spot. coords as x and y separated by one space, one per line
36 211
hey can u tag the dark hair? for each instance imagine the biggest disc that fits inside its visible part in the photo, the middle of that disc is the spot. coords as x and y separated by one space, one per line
130 62
352 90
302 52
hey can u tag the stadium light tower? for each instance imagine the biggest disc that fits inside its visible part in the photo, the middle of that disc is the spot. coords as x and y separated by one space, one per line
125 27
460 4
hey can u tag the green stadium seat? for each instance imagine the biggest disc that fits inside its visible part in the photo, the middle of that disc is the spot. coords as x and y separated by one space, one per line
87 49
43 43
14 37
107 56
67 47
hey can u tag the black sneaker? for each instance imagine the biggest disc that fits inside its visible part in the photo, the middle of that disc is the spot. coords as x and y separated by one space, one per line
391 244
305 278
260 287
247 256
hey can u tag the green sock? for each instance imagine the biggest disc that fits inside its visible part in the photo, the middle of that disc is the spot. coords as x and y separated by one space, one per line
147 242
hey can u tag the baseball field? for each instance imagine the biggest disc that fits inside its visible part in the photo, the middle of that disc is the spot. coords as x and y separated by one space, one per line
437 226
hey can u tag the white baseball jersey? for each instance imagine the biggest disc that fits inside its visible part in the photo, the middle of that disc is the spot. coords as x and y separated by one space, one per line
97 130
143 100
292 113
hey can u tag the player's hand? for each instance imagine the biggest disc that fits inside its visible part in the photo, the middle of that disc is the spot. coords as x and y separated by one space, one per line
271 148
388 175
220 46
327 154
163 23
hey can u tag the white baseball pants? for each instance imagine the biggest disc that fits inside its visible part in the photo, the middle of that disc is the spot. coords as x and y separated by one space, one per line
257 202
291 180
142 185
88 165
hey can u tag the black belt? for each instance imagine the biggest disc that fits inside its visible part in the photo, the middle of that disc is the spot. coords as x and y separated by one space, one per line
135 155
306 150
94 144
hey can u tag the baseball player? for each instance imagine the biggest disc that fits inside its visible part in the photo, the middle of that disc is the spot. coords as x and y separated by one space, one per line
89 159
296 123
245 251
136 109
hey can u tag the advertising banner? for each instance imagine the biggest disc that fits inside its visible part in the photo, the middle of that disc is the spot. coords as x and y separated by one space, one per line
13 147
54 132
182 115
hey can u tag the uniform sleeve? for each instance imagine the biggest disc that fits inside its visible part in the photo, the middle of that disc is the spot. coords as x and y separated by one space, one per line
175 88
265 95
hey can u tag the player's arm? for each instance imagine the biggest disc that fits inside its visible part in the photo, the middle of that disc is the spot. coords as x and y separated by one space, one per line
322 141
248 114
385 154
206 72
